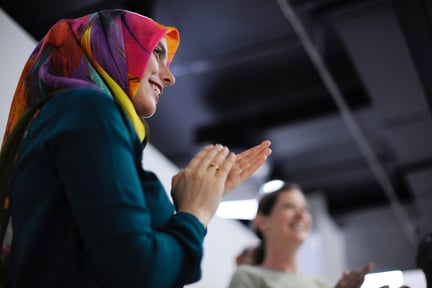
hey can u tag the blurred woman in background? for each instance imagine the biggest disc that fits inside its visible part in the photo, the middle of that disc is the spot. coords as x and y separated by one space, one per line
283 223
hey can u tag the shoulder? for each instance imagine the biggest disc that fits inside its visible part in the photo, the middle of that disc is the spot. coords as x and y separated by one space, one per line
317 281
246 276
83 106
249 269
323 283
250 272
84 110
81 97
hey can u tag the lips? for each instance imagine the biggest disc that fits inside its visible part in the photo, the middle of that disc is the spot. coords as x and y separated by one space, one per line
156 87
299 226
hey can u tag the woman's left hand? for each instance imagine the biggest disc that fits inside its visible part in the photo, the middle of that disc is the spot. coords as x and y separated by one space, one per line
354 278
246 164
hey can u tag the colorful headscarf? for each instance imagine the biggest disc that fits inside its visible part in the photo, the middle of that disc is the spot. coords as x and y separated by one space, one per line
108 50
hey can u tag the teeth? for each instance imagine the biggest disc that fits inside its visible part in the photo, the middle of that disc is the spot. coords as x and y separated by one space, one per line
155 88
298 226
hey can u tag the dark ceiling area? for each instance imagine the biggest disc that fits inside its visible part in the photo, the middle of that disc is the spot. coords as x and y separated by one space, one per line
245 73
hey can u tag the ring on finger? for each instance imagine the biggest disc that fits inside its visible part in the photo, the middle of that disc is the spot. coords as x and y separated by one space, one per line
213 165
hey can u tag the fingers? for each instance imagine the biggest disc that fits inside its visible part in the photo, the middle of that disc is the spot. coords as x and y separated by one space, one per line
250 160
261 149
227 163
367 268
258 152
215 159
210 157
356 277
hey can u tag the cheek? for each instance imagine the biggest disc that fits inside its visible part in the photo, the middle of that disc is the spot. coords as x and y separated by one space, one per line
152 66
144 105
308 220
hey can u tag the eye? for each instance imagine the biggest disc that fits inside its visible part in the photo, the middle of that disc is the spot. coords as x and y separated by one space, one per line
158 52
288 206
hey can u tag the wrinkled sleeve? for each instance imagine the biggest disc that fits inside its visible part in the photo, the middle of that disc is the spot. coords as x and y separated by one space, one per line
94 150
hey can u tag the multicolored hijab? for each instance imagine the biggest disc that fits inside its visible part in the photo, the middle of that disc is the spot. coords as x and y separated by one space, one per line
108 50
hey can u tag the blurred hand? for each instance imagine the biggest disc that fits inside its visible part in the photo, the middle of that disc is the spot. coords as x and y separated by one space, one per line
354 278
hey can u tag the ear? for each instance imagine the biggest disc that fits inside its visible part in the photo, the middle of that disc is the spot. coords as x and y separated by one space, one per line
260 223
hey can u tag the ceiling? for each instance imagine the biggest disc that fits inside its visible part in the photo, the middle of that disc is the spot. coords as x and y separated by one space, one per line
340 87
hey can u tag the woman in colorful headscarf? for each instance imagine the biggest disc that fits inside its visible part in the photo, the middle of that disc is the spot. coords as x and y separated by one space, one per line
84 212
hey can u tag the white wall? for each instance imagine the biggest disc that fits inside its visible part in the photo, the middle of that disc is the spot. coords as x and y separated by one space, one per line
15 48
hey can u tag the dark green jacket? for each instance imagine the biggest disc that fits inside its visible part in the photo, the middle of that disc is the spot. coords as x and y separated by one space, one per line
85 213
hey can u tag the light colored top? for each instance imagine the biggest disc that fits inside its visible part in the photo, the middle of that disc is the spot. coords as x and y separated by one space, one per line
247 276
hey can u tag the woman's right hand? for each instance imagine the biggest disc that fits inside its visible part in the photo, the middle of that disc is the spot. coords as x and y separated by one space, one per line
199 188
355 278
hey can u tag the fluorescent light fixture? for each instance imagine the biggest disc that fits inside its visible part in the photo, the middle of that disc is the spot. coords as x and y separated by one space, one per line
394 279
239 209
271 186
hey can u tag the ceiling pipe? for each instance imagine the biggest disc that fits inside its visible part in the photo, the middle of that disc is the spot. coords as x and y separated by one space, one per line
245 55
330 83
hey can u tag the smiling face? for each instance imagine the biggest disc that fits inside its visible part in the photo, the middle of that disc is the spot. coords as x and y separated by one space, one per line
156 77
289 220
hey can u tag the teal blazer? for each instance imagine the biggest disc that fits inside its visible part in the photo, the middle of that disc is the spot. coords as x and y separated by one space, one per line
85 213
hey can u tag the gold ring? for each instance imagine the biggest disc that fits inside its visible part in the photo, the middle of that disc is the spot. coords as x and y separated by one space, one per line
214 165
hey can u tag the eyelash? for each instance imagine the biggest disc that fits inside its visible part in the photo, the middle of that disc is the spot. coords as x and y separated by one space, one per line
158 52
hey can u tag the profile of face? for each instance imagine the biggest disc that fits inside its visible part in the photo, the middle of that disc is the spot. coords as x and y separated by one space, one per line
288 221
157 76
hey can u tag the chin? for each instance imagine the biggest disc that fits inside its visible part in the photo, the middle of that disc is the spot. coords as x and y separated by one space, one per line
302 237
147 114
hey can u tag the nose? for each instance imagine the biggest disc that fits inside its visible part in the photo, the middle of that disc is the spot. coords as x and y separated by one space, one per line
167 77
302 212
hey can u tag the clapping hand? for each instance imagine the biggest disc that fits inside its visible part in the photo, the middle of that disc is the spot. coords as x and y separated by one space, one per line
354 278
200 186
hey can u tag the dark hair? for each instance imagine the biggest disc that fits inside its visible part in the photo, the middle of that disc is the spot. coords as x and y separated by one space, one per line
259 253
256 253
268 201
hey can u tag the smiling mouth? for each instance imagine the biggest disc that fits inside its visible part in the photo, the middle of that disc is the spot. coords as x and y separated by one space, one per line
157 89
298 227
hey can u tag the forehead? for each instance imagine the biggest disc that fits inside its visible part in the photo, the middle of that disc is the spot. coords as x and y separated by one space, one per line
293 196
